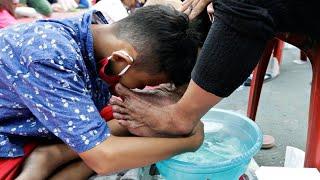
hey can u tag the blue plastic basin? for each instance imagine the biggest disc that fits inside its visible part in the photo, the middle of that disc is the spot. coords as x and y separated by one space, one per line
241 127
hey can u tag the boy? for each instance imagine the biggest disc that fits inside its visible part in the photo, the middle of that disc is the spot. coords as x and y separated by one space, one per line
51 88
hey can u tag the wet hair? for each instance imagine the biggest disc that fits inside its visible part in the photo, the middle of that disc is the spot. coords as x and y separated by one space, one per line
164 41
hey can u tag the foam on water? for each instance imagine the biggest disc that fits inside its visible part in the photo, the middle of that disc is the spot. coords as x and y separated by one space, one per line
219 145
212 126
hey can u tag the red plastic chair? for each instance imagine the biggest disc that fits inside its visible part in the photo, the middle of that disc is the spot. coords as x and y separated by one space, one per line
312 50
303 56
278 49
277 52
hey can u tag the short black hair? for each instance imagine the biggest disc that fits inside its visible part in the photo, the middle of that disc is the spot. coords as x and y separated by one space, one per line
164 40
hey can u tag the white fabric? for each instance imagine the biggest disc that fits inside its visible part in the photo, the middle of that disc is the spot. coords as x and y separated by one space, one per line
113 10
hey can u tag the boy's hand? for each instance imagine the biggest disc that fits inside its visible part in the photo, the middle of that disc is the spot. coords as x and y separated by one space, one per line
197 136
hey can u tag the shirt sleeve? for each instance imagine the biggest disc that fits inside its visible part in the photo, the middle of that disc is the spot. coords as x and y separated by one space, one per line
59 99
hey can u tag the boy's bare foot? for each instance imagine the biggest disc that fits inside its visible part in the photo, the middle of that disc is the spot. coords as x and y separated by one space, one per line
44 160
77 170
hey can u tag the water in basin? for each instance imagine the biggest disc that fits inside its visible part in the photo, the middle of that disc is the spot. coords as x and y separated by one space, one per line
220 145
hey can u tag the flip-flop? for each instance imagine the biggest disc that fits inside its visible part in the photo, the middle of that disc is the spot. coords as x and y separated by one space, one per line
268 142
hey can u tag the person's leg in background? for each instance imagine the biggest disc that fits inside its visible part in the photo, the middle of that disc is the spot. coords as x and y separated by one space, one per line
41 6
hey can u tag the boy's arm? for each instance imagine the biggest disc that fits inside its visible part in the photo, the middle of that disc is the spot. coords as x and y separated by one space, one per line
118 153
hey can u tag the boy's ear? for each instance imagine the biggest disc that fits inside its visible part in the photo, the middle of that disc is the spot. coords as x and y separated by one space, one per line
122 56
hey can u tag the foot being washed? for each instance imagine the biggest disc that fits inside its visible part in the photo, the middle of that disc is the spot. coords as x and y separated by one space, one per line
139 105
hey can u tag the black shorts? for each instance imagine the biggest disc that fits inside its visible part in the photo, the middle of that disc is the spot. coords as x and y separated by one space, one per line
239 34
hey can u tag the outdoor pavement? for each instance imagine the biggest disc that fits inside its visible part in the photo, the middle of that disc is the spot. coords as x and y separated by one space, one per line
283 107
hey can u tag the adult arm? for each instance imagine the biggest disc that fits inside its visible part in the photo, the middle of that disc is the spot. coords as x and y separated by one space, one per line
118 153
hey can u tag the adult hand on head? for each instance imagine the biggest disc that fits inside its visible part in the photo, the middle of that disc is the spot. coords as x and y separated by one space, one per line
210 12
131 4
143 108
194 7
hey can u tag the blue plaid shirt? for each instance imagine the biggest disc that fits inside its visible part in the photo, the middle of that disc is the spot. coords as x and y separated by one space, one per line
49 86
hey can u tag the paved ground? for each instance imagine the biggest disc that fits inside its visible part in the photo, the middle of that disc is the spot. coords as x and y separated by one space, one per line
283 109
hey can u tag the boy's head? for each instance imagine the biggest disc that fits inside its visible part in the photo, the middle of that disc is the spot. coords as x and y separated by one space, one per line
164 47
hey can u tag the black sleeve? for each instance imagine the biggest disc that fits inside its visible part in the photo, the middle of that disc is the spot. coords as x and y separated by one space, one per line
233 47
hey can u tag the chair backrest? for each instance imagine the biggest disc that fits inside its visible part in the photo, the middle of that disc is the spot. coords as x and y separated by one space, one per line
304 42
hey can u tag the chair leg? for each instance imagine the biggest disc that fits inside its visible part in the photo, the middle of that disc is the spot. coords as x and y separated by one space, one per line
312 158
257 80
277 53
303 56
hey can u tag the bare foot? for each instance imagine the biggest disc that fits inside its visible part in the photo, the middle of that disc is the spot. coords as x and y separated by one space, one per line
142 112
162 95
44 160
